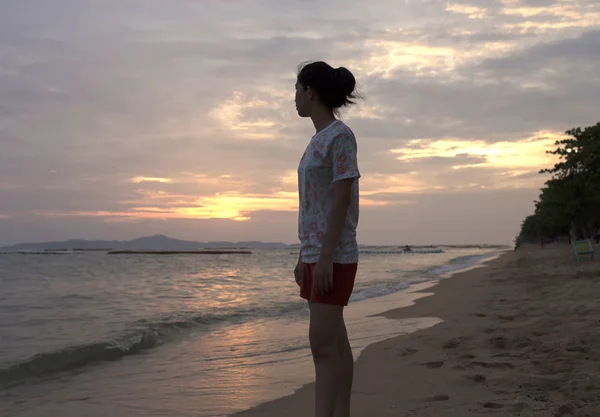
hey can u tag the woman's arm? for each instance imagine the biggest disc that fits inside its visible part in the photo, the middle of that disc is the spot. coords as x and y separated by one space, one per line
342 193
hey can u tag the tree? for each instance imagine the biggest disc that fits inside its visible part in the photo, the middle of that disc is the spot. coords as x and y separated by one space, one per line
571 198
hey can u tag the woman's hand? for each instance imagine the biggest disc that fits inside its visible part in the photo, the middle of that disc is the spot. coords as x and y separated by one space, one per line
298 273
323 276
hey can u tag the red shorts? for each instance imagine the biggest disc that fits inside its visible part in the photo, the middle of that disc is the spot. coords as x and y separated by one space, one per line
343 284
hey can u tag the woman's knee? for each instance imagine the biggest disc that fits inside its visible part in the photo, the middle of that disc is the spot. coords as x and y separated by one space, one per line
324 345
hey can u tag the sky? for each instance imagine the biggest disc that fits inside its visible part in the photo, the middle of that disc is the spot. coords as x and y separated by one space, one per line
126 118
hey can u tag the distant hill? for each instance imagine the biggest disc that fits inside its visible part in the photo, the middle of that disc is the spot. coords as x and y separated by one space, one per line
156 242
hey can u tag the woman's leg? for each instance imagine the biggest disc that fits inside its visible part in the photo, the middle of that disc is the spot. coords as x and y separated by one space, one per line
324 334
342 407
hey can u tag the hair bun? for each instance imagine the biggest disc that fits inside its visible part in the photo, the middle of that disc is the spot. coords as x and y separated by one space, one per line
346 80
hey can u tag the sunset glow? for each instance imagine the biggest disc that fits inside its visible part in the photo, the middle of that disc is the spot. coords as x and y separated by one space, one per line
137 180
185 112
528 153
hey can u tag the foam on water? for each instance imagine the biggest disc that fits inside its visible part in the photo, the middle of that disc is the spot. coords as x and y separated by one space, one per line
462 263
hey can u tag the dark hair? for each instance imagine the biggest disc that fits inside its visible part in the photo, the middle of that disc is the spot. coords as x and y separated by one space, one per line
335 86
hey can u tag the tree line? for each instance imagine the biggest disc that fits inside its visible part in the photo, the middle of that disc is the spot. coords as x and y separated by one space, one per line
569 202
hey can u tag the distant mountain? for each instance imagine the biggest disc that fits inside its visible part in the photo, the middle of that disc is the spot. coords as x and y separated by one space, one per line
156 242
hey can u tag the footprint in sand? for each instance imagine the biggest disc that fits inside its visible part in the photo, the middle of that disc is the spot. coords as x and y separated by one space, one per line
519 407
433 364
476 378
504 355
453 343
499 342
407 351
494 365
492 405
441 397
565 409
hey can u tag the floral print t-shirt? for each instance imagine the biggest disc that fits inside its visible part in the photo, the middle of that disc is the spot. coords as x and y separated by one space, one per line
329 157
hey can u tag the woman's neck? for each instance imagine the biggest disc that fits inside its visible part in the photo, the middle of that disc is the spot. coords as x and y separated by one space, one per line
321 120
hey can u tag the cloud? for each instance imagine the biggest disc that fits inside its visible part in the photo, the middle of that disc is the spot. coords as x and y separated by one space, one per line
472 12
529 152
139 179
143 110
555 60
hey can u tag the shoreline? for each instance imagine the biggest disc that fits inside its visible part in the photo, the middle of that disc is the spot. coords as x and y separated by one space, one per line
516 338
422 294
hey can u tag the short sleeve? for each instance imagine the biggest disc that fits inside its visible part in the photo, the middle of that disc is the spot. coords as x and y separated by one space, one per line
343 157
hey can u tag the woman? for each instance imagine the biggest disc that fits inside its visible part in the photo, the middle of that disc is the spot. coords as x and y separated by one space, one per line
328 215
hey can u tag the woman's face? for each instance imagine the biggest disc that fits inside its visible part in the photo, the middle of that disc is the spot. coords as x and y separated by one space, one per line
303 100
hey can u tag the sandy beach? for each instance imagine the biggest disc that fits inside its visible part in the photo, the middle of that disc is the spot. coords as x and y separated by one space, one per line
519 337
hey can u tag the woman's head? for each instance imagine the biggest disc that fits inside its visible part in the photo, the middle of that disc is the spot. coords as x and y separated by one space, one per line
321 85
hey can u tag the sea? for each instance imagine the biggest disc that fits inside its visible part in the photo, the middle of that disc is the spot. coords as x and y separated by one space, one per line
93 334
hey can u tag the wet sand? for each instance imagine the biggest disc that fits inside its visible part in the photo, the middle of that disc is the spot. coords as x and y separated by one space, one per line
519 337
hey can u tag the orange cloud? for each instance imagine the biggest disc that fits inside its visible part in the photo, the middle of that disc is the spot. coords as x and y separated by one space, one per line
410 182
231 114
560 16
514 162
140 179
233 204
472 12
526 153
392 53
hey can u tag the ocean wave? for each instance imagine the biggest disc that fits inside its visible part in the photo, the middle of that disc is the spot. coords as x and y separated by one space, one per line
374 292
74 357
462 262
143 335
454 265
